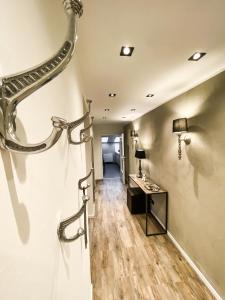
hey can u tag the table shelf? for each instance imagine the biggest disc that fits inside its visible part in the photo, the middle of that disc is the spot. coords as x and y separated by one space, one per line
150 202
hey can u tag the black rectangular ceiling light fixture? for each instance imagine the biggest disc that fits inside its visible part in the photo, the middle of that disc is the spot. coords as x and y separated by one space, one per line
112 95
197 56
126 51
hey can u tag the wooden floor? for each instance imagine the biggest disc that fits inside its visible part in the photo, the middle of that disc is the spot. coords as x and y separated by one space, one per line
128 265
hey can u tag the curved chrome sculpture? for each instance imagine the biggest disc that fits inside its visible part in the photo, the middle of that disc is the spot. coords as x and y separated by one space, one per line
81 231
15 88
85 139
85 187
72 125
83 211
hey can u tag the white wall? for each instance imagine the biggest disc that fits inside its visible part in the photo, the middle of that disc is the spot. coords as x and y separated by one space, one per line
36 191
99 131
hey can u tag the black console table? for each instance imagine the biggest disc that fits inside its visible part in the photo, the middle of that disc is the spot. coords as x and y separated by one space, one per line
135 181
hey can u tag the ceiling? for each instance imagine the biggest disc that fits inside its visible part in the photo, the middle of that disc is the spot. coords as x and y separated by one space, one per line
165 34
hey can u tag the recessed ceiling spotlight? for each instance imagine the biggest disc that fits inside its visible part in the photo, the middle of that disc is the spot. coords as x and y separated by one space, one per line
150 95
196 56
126 51
124 117
107 109
133 109
112 95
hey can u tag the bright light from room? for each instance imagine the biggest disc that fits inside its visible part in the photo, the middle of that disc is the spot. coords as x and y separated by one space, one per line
105 139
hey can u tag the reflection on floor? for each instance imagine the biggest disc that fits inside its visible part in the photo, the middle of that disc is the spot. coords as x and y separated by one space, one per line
111 170
128 265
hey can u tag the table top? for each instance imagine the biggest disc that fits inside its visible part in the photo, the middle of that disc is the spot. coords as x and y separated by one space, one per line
142 183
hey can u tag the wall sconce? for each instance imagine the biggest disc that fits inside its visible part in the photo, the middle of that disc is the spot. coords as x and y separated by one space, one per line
134 135
180 126
140 154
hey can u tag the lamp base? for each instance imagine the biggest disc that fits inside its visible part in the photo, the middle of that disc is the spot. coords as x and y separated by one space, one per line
140 170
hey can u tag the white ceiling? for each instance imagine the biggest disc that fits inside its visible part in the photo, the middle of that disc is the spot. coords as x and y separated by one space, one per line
165 34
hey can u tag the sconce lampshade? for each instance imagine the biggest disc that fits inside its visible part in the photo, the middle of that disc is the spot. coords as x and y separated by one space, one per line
180 125
133 133
140 153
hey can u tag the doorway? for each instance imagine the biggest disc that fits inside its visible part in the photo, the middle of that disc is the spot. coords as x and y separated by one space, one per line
112 156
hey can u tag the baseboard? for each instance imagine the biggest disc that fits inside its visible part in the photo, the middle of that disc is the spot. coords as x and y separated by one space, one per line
91 216
98 180
91 292
194 267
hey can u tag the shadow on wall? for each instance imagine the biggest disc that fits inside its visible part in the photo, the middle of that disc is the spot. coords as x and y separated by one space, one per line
19 209
158 126
19 160
65 251
200 152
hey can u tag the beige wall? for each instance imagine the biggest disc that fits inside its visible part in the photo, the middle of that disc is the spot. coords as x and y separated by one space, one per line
196 184
99 131
37 191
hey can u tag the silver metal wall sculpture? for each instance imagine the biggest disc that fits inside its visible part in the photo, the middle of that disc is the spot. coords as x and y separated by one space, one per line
15 88
81 231
82 212
84 138
72 125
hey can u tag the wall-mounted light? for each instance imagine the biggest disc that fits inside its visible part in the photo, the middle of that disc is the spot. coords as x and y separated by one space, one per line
180 126
140 154
134 135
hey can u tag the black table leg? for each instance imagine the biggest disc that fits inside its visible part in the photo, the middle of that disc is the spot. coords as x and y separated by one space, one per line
146 214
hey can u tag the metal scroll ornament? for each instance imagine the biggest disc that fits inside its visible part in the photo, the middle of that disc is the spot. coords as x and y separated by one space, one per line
82 212
84 138
15 88
65 223
72 125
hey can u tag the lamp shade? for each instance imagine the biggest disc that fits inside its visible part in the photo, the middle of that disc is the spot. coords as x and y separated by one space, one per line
180 125
140 153
133 133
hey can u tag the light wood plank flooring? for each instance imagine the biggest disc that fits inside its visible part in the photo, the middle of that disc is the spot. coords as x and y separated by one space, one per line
128 265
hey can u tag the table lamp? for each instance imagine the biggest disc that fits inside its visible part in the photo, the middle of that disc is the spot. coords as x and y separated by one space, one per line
140 154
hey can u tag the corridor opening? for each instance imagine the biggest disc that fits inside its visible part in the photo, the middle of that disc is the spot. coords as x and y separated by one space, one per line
112 156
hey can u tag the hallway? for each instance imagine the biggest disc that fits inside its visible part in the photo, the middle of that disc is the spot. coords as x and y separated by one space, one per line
111 171
128 265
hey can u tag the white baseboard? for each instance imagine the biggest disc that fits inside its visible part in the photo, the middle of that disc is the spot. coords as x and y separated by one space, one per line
194 267
91 216
91 292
